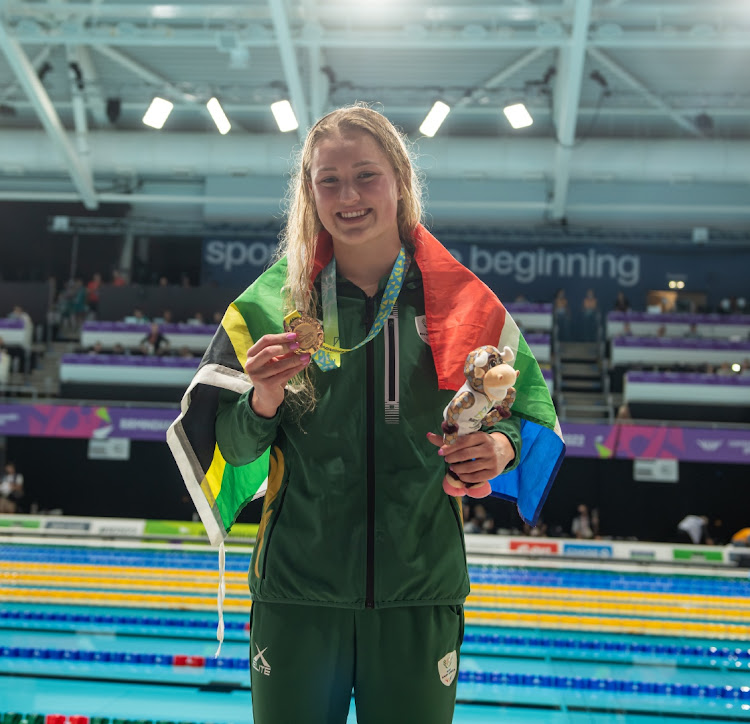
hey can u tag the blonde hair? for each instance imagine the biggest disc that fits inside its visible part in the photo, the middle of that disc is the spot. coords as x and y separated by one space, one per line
298 239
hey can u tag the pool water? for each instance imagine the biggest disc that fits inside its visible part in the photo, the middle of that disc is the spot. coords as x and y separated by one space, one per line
93 633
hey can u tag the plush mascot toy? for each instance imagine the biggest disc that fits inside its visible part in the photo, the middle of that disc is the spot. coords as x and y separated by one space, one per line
485 398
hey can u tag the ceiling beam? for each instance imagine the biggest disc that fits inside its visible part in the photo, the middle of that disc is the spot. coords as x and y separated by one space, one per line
146 74
37 62
96 103
320 82
76 83
242 11
633 82
451 39
288 55
32 86
499 78
566 101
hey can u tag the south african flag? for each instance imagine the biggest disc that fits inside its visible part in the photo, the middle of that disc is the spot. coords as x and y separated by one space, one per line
462 313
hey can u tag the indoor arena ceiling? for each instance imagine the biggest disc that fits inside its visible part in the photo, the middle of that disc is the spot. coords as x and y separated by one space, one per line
641 109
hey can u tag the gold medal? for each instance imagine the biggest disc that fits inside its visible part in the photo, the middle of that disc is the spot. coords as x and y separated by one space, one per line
309 332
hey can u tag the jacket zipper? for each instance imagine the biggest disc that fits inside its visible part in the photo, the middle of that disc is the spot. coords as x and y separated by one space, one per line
391 369
370 457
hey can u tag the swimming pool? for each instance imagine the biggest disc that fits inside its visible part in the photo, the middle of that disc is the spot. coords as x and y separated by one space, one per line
128 632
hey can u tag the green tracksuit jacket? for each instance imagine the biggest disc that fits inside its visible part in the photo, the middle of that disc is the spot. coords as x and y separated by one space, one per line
355 515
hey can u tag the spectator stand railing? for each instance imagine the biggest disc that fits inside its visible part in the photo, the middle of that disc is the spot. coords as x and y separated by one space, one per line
195 337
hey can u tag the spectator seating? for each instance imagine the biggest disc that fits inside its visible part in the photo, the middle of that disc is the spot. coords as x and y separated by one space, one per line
125 377
128 369
16 333
540 346
548 378
531 316
688 396
195 337
642 324
687 388
665 351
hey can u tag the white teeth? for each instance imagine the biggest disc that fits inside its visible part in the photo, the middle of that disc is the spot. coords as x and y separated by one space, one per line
352 214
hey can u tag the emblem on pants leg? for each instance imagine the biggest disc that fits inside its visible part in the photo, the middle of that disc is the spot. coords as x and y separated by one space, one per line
447 668
259 661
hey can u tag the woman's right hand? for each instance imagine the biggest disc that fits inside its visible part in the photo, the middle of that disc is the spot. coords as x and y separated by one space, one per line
271 363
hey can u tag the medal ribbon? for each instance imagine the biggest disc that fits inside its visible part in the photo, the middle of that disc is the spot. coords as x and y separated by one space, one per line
328 357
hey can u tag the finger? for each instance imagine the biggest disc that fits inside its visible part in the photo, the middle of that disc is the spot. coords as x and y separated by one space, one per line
475 452
282 379
476 478
290 366
436 440
270 340
470 467
270 354
471 440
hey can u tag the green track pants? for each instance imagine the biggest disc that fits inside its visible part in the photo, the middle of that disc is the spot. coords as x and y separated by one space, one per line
401 663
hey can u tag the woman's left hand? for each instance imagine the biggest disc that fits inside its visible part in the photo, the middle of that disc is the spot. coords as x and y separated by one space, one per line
476 457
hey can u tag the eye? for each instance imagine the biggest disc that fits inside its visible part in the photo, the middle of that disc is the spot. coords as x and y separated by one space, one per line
493 362
366 174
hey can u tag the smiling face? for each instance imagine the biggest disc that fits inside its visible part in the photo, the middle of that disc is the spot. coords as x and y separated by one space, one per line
355 190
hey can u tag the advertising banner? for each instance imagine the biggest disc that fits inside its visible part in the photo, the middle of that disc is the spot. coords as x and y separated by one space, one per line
627 442
533 267
84 422
631 442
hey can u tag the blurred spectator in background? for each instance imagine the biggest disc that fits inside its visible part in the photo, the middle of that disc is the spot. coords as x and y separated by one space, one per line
724 370
538 531
185 352
590 316
561 312
119 349
692 332
185 281
163 281
118 279
4 364
154 343
72 307
137 317
166 317
97 348
11 490
582 526
92 293
197 318
478 520
621 302
693 529
19 313
623 413
218 316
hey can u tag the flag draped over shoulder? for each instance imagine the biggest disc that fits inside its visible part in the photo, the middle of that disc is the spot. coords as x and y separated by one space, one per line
220 490
462 313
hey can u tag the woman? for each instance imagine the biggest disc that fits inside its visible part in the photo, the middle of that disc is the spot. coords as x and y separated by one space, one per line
358 576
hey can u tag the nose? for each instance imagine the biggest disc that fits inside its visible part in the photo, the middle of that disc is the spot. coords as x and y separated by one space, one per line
348 193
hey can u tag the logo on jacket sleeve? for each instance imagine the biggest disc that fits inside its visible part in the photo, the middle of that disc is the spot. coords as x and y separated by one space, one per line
259 662
447 668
